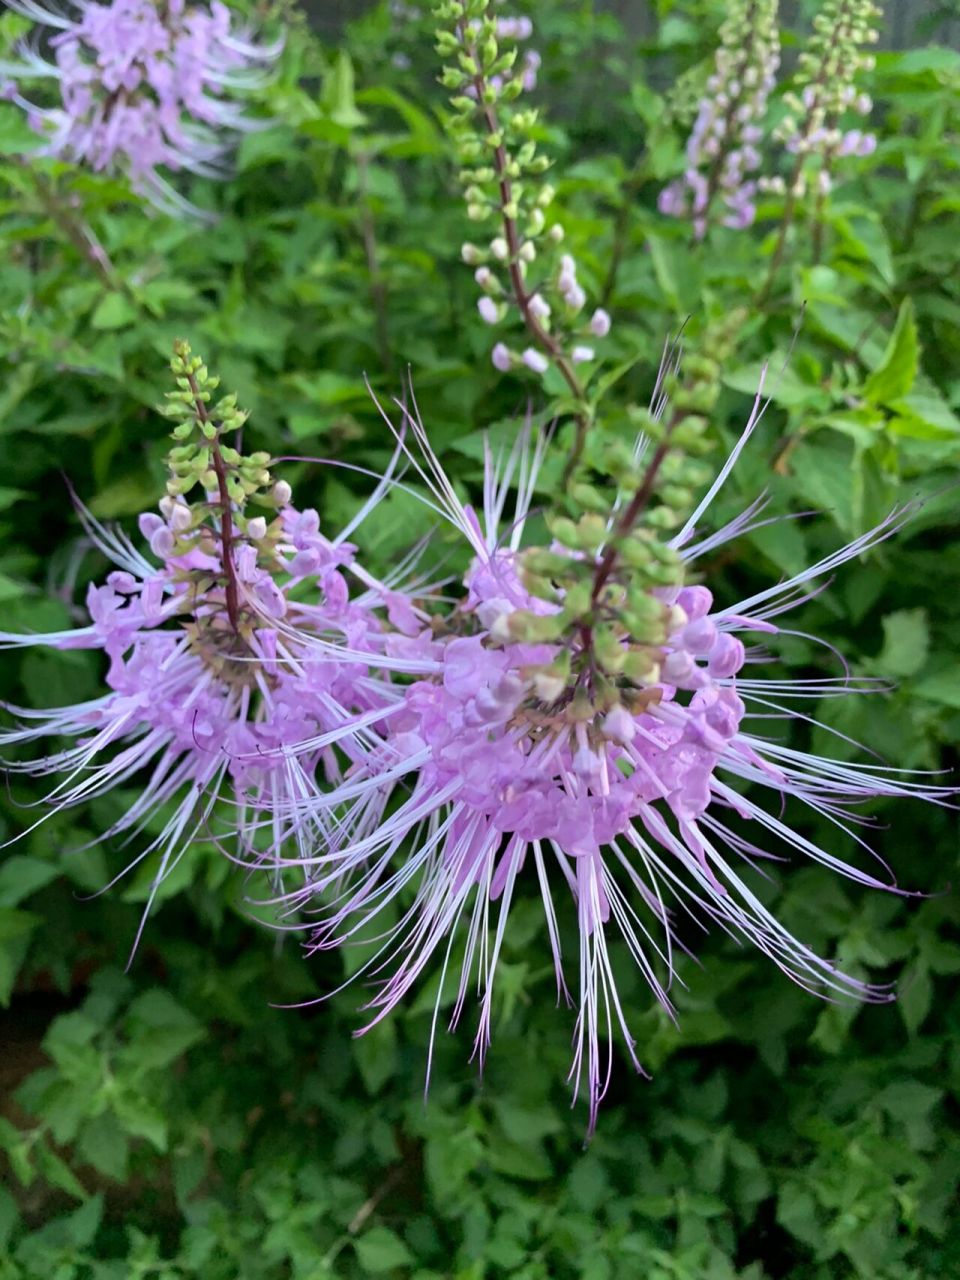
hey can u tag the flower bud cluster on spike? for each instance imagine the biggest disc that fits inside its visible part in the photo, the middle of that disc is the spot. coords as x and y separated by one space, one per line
723 148
144 87
610 560
826 92
523 272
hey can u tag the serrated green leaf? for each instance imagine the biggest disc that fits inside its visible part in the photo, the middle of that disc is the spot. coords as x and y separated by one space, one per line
20 876
894 377
906 642
380 1249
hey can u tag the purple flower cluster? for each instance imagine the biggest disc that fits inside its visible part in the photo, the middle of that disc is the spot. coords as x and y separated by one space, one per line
723 152
144 87
723 147
197 708
498 781
409 771
816 127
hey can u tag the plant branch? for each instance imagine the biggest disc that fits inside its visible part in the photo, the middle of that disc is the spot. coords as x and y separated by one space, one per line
543 338
80 235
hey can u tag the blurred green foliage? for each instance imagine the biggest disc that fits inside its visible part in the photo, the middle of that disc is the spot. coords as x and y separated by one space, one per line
172 1122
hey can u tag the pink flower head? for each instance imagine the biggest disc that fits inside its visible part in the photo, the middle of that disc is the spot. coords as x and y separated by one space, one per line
227 724
497 793
144 87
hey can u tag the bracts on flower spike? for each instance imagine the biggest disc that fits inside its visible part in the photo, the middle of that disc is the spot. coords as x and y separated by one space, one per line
220 702
588 743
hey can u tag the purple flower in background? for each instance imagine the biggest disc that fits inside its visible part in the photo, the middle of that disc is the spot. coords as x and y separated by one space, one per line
498 782
816 128
144 87
722 150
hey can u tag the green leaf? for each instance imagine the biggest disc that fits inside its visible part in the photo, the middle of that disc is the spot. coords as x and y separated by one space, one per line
895 375
942 686
142 1118
338 94
160 1031
102 1143
906 641
20 876
824 473
914 995
673 265
8 1219
59 1174
15 930
114 311
376 1054
9 496
381 1250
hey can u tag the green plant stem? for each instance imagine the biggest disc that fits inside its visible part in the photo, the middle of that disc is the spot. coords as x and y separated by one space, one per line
80 235
621 227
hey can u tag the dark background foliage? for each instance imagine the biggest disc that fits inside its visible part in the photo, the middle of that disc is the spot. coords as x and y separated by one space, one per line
172 1121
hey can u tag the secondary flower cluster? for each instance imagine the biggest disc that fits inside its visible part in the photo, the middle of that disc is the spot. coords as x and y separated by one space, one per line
577 725
813 130
523 273
724 150
144 87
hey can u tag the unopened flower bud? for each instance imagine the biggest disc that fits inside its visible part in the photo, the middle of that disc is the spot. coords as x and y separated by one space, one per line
600 323
502 360
619 725
535 360
181 517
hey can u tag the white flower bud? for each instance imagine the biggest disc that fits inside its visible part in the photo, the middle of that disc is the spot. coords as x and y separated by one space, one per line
548 688
600 323
256 528
501 358
181 517
470 254
282 493
618 725
499 248
535 361
574 297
